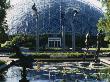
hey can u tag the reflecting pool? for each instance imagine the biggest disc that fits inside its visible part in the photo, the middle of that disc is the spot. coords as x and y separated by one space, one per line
59 72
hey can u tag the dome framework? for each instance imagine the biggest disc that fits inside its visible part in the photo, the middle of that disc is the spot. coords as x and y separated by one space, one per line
57 17
50 17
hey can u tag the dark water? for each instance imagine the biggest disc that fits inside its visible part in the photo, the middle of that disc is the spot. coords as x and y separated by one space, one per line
14 75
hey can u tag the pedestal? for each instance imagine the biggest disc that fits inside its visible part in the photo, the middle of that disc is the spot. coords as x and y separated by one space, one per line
97 64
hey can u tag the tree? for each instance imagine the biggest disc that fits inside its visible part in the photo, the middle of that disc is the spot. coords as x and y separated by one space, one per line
3 6
104 22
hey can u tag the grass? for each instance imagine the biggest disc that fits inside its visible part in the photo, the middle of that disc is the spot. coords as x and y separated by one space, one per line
60 53
102 49
57 55
54 48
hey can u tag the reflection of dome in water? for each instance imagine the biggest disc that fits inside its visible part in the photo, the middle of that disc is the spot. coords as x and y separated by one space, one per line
21 19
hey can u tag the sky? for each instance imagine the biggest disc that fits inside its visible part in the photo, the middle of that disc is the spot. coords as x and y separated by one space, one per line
95 2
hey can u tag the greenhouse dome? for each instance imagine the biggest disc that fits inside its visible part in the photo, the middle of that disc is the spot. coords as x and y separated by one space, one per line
20 16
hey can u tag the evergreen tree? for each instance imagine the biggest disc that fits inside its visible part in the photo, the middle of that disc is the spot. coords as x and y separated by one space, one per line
3 25
104 22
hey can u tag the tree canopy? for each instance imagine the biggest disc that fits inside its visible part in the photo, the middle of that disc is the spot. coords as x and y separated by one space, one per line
104 22
3 6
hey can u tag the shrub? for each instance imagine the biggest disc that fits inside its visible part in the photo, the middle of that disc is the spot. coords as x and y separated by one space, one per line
2 62
7 44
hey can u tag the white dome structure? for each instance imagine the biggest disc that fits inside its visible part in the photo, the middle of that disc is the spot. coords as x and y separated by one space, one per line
21 20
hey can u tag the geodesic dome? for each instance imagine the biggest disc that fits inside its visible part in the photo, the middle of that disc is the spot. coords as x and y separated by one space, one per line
21 20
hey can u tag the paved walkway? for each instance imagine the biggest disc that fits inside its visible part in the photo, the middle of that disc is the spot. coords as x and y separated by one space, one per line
105 60
7 59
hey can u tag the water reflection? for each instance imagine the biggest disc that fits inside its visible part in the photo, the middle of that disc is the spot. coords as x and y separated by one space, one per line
58 72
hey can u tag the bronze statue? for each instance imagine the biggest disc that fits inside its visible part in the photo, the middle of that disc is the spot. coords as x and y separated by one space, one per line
34 7
98 46
87 44
87 41
35 11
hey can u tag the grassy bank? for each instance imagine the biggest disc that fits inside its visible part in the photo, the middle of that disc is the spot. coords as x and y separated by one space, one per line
54 55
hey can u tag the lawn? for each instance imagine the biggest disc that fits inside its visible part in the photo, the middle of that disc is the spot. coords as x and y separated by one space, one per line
63 55
58 55
101 49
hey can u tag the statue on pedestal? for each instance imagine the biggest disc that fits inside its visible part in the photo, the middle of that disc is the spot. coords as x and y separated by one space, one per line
87 41
99 35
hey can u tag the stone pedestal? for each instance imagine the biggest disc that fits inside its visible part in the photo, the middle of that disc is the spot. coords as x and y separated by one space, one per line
97 64
97 60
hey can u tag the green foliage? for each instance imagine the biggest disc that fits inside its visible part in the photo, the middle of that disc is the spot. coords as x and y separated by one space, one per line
43 40
3 35
63 80
2 62
104 22
23 40
3 25
61 54
7 44
16 39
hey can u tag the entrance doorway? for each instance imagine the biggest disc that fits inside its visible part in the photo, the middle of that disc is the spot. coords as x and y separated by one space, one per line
54 42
